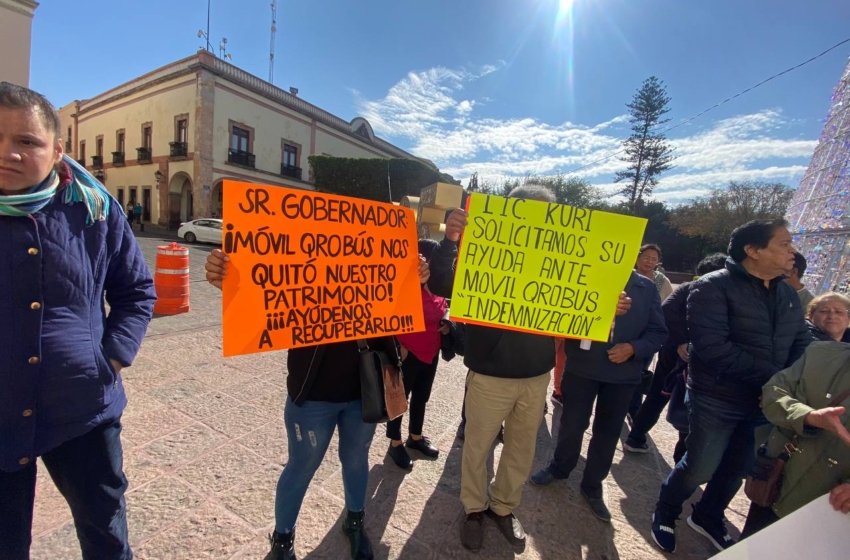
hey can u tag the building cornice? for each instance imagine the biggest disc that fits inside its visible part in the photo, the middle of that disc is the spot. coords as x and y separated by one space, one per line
23 7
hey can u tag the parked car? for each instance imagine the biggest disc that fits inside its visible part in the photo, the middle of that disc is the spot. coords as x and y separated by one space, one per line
205 230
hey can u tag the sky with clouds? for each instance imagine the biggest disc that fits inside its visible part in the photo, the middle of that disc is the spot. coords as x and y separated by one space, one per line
504 87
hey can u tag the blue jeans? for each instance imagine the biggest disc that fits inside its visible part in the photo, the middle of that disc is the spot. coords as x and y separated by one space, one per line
720 451
87 470
309 429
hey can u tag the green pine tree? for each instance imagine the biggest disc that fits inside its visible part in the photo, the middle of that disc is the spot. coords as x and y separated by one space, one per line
647 152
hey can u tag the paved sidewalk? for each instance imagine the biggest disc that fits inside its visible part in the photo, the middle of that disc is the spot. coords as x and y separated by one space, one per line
204 446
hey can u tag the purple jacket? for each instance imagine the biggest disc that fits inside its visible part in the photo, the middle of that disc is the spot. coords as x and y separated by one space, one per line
56 339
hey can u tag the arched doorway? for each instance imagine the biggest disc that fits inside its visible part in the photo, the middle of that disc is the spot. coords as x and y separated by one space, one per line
180 200
216 200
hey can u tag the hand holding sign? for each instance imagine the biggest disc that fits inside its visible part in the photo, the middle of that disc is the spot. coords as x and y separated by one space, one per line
302 268
455 224
216 267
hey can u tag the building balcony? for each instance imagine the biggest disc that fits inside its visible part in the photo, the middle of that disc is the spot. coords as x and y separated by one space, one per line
97 162
238 157
117 158
179 149
290 171
143 155
82 161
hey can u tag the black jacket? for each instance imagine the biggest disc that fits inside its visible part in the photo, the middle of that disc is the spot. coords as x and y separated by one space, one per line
489 350
642 327
741 332
820 335
330 372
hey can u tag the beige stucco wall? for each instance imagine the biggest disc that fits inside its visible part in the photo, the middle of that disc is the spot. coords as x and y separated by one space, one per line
334 143
15 40
272 127
158 105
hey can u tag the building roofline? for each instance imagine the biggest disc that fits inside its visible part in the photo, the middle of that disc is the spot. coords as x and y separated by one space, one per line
207 61
23 7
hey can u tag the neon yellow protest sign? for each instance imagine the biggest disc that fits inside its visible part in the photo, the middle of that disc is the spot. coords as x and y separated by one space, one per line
542 267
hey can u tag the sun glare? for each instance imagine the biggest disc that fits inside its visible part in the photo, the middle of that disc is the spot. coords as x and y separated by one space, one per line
564 7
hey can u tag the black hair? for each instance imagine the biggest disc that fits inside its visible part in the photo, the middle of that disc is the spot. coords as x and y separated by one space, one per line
18 97
650 247
710 263
756 233
426 247
800 264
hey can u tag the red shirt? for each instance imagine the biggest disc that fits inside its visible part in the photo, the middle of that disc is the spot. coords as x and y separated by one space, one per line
425 345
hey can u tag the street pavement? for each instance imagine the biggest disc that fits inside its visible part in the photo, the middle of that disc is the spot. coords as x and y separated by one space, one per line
204 444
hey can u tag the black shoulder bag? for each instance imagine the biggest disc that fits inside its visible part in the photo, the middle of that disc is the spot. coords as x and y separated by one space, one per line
381 386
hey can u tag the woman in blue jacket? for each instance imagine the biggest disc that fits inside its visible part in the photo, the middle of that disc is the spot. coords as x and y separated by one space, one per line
65 248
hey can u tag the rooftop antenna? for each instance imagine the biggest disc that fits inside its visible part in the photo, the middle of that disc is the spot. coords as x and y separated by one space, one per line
206 34
271 43
222 50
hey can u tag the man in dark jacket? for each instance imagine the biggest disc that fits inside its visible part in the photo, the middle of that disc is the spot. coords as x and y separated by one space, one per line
676 347
745 324
507 382
607 373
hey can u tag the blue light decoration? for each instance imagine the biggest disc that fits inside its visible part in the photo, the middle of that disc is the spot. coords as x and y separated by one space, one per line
819 214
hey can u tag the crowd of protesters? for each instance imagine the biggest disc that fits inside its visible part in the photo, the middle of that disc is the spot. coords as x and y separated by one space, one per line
743 346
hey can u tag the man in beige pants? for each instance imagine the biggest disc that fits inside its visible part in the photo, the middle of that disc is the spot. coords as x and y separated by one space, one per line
507 382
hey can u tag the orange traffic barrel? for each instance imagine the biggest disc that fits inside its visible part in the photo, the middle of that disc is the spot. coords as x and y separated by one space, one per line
171 280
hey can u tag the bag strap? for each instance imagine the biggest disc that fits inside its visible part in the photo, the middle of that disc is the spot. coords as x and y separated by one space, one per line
840 398
362 346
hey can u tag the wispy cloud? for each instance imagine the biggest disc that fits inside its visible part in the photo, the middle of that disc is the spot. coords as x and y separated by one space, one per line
430 113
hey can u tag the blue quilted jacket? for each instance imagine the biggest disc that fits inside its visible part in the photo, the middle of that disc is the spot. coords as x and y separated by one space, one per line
56 338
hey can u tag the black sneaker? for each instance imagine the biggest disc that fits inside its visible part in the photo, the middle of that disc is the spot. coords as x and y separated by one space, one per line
361 548
400 457
664 532
472 531
283 546
635 447
424 446
715 532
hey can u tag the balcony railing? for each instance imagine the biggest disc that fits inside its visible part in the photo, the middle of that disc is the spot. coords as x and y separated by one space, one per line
117 158
97 162
143 155
82 161
290 171
179 149
239 157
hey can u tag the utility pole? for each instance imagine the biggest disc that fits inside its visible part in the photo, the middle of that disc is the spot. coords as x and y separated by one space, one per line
271 43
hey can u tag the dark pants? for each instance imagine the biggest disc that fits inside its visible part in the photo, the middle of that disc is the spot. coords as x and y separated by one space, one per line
418 380
681 447
648 413
88 472
612 402
720 452
757 519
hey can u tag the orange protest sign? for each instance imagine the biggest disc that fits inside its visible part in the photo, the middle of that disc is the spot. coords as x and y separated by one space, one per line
309 268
